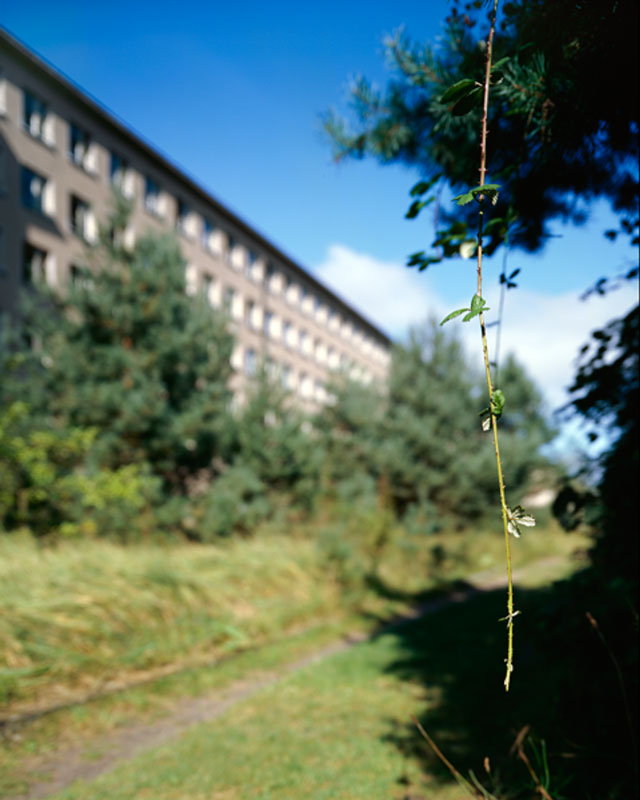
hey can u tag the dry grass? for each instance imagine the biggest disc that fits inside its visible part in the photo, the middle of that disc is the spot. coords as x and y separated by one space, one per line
92 615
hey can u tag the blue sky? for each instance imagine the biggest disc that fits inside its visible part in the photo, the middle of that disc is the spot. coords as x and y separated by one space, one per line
233 94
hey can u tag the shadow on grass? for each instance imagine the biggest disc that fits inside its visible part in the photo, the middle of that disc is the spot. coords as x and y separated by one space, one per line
565 686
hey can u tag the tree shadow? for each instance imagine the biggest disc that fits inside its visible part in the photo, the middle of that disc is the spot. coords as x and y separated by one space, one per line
565 686
382 588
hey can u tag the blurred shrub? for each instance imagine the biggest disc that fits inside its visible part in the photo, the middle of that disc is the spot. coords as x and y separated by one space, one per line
236 502
49 486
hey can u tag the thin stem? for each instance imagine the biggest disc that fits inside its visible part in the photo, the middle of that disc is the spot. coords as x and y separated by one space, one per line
459 778
485 350
625 702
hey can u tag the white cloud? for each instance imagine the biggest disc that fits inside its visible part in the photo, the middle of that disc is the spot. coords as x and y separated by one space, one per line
384 292
544 331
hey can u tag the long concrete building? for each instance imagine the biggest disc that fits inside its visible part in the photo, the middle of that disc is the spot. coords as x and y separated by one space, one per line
61 156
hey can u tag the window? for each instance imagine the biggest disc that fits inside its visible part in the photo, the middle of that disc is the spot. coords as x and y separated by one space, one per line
228 300
267 323
32 190
250 310
290 290
37 120
122 237
152 197
81 219
304 342
183 219
306 385
249 362
191 280
121 176
208 289
250 264
34 263
79 147
269 275
286 377
231 246
208 236
286 333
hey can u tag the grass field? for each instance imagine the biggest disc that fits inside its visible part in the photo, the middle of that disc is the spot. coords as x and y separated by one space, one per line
341 729
90 616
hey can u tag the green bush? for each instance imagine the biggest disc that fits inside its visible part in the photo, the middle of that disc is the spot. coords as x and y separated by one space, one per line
235 503
49 485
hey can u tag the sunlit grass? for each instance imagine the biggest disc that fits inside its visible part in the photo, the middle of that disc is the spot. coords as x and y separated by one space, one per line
87 614
341 729
92 616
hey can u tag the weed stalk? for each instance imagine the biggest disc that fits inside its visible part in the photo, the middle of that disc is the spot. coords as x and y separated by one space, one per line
485 349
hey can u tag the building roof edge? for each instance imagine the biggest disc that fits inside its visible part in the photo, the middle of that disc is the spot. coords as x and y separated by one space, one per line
109 117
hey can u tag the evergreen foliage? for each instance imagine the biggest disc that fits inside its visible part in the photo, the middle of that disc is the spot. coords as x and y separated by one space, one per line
126 353
423 438
605 393
126 425
563 115
277 442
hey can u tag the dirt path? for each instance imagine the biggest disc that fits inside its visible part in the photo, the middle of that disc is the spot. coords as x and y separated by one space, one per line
66 766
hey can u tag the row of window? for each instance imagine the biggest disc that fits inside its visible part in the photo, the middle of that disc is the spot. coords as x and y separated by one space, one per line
82 151
271 325
38 267
38 194
301 382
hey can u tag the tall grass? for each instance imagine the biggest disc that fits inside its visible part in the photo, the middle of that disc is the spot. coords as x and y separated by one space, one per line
88 615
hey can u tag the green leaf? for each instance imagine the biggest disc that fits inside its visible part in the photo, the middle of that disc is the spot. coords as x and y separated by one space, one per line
489 190
497 402
416 207
466 103
454 314
496 222
463 199
500 62
415 258
478 303
421 260
423 186
458 90
426 262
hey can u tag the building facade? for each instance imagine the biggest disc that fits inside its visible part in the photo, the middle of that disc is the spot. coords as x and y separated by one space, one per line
61 157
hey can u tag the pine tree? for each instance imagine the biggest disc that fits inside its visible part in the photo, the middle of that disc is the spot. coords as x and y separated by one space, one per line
563 116
126 352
